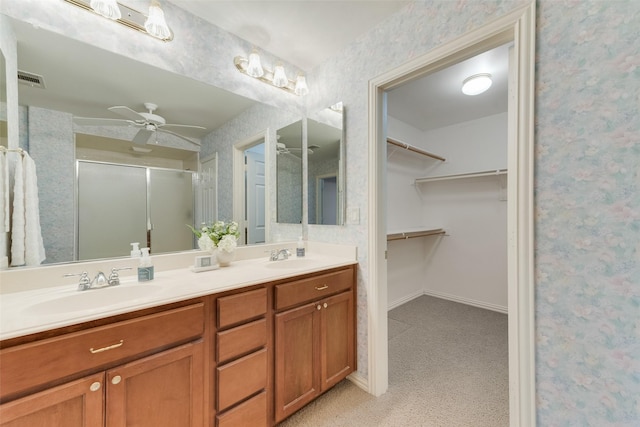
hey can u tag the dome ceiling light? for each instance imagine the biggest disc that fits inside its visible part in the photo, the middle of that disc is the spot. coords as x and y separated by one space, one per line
476 84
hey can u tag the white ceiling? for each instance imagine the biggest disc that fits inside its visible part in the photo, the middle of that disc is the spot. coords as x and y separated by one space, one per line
301 32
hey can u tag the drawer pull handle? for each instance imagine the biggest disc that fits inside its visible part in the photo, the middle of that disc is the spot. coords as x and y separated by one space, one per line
325 305
319 307
116 380
95 386
109 347
322 288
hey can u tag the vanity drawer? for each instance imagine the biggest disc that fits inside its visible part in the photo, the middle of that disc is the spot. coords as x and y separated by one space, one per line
241 378
28 366
312 288
252 413
241 340
241 307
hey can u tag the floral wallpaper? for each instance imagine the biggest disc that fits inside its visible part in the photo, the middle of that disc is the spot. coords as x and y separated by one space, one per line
587 213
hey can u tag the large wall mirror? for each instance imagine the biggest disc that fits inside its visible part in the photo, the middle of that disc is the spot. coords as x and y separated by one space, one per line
56 139
325 154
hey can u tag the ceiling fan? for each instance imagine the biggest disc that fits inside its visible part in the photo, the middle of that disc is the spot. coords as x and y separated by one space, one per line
283 149
147 122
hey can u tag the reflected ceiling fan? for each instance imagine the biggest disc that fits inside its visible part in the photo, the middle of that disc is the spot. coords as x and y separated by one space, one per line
148 123
283 149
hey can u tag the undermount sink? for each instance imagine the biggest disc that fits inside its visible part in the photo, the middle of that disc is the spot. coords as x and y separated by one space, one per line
92 299
291 263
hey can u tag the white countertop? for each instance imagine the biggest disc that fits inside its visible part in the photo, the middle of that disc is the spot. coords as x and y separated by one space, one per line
30 311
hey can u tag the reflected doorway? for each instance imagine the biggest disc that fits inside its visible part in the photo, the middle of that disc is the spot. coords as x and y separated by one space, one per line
255 226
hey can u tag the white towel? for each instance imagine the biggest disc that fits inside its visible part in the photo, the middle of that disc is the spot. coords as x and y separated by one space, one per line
34 246
18 218
4 205
4 192
27 247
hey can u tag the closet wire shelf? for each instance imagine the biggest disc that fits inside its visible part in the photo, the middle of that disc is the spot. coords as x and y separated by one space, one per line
496 172
412 234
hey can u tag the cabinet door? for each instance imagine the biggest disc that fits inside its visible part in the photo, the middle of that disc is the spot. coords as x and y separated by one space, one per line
297 346
165 389
337 339
76 404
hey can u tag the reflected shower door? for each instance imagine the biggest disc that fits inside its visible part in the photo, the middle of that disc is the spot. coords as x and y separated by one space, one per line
112 209
171 206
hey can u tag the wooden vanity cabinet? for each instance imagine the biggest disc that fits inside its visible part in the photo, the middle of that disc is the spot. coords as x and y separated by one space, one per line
146 371
314 341
242 348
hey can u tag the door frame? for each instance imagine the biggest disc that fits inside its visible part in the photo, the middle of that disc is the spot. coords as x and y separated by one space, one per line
239 184
518 27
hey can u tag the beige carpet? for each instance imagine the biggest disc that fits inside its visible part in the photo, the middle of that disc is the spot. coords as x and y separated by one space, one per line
447 368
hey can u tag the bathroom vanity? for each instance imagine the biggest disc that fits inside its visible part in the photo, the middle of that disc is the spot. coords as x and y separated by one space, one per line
203 350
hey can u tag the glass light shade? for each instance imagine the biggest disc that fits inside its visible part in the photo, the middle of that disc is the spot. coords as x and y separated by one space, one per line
301 86
279 77
476 84
254 69
155 24
107 8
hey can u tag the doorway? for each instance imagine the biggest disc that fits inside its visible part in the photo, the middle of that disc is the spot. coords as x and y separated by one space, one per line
250 188
517 27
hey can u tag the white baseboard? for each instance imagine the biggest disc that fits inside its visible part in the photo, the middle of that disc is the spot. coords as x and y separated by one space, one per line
359 381
405 299
467 301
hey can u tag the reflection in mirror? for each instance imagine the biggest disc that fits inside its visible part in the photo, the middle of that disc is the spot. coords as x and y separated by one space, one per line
88 88
325 159
255 195
289 173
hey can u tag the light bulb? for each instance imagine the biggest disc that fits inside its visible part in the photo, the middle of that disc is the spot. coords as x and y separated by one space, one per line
107 8
301 86
476 84
279 77
254 69
155 24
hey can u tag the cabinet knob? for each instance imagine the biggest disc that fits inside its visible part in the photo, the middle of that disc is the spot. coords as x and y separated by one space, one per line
116 380
95 386
319 307
325 305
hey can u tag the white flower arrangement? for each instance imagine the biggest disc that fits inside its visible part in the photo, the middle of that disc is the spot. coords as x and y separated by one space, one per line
221 235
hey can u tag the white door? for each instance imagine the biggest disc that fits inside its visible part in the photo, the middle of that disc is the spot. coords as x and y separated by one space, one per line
255 196
207 208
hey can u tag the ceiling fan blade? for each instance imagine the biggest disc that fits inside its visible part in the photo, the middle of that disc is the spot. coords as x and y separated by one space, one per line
142 137
127 112
162 129
94 121
185 130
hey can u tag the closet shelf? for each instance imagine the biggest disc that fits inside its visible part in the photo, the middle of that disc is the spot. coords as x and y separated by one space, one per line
414 233
414 149
497 172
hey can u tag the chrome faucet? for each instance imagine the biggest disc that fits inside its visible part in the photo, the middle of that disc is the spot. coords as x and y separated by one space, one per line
100 281
277 255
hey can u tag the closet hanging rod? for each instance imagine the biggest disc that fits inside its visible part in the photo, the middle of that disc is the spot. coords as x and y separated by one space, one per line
411 234
496 172
414 149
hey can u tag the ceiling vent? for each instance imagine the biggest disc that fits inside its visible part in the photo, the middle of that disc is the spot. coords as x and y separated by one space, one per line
30 79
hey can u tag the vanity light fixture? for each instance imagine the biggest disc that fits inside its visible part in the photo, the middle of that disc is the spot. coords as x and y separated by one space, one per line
277 78
476 84
107 8
153 24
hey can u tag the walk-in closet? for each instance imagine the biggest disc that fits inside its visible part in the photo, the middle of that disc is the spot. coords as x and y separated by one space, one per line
447 231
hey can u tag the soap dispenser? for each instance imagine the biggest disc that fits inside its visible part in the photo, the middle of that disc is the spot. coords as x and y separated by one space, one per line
135 250
300 248
145 270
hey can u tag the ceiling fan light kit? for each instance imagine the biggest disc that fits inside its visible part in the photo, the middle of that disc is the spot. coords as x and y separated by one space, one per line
152 24
277 78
